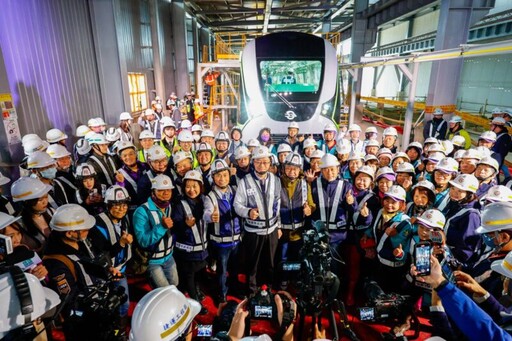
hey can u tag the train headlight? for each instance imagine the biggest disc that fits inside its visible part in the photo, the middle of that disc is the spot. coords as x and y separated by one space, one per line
327 106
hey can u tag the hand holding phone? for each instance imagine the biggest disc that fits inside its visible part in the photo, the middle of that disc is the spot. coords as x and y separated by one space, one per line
422 251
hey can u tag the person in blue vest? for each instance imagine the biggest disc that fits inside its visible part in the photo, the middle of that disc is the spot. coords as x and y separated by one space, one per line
335 202
296 206
158 164
152 227
258 201
437 127
112 234
389 137
487 170
463 218
224 227
102 162
191 235
64 186
444 172
328 143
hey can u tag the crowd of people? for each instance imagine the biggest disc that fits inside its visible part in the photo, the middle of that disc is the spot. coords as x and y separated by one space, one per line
171 200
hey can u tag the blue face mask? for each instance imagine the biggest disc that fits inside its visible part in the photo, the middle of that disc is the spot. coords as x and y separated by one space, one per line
489 241
49 173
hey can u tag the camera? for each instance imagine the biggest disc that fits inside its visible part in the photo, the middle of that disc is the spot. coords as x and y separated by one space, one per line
382 306
262 305
5 246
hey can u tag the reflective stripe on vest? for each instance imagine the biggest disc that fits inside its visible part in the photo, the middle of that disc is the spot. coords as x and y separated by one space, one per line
266 220
103 168
358 212
215 236
163 249
128 178
200 239
87 278
335 202
112 235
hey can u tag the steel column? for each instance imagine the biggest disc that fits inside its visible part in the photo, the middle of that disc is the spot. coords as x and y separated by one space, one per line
179 30
413 78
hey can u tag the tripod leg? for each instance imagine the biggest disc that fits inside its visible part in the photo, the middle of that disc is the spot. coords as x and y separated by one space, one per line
334 326
302 313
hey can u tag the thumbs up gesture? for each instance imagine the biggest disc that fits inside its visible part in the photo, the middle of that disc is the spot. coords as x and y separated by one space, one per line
167 222
398 252
119 177
307 209
126 238
349 198
190 221
232 170
215 214
254 213
364 210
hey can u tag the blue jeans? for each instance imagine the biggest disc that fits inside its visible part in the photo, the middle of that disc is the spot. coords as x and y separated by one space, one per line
162 275
227 257
123 308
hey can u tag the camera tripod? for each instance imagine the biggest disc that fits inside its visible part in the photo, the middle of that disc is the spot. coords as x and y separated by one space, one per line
314 307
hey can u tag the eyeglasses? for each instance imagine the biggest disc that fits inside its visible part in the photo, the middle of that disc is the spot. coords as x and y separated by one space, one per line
120 205
161 161
262 163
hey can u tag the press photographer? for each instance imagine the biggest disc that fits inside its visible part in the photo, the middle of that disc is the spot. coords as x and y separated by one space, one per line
82 277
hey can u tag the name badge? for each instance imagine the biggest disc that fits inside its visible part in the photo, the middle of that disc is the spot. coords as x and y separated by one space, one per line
251 191
184 247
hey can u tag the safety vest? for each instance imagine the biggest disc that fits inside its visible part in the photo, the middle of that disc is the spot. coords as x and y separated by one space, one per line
102 220
264 203
165 245
125 136
330 208
355 217
199 239
399 221
66 187
292 213
105 165
227 230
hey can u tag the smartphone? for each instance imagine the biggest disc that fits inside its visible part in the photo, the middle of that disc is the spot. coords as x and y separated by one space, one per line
422 251
204 330
367 314
447 270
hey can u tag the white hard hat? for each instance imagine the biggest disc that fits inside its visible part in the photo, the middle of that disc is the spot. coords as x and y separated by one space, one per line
293 159
354 127
372 143
317 154
93 122
384 171
27 188
488 136
251 142
163 314
496 217
370 157
158 105
447 165
330 127
56 151
436 157
112 134
156 152
309 142
38 160
84 170
427 185
55 135
436 147
180 156
193 175
83 147
497 111
101 121
390 131
355 156
168 122
89 135
448 146
438 111
503 266
125 116
284 148
455 119
219 165
342 147
459 141
161 182
371 129
148 111
405 167
400 155
34 144
293 125
366 170
207 133
498 193
204 147
432 218
185 136
416 145
117 194
430 140
122 145
458 154
260 152
222 136
384 151
71 217
241 152
82 130
4 180
483 151
98 139
500 121
396 192
27 137
146 134
185 124
465 182
471 154
329 160
197 127
7 219
489 161
39 298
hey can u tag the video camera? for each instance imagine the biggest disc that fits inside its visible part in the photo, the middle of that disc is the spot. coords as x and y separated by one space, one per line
382 306
262 306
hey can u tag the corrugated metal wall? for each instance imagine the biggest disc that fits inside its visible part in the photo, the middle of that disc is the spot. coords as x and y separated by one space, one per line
50 60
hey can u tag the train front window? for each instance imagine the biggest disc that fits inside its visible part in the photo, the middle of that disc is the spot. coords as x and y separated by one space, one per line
291 79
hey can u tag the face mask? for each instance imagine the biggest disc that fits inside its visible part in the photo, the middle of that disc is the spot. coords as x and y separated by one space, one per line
265 138
196 137
49 173
489 241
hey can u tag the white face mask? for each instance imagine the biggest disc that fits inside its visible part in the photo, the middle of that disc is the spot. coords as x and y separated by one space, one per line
49 173
196 137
